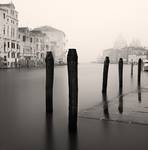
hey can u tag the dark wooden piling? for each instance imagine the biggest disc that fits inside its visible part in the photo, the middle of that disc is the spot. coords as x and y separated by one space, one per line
72 62
120 67
132 66
49 82
139 94
105 75
139 71
120 107
105 106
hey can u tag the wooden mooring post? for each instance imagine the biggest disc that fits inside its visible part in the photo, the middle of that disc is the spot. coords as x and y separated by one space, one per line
139 94
49 82
139 71
105 106
105 75
132 66
120 67
72 62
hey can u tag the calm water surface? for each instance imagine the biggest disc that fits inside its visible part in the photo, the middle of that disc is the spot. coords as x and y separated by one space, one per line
24 124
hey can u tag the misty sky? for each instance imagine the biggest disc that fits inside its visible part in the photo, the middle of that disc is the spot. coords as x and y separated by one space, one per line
90 25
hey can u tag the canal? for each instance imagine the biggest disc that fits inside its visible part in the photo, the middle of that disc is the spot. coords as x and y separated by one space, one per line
23 122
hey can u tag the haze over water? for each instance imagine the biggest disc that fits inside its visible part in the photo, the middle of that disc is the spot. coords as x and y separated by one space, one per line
91 26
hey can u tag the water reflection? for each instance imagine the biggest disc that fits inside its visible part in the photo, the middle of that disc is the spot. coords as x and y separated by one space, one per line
49 139
120 107
105 105
22 104
139 93
73 140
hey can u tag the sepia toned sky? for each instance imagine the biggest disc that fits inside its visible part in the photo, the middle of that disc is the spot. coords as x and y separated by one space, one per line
90 25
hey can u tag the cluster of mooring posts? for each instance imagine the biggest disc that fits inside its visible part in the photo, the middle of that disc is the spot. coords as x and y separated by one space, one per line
120 70
72 66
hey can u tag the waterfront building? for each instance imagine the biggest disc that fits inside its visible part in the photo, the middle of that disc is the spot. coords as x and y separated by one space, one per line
127 53
57 42
41 44
19 44
33 45
25 42
135 58
8 34
112 53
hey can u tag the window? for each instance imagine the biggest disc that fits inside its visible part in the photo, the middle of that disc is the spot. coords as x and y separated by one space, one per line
18 55
12 12
8 54
4 47
4 15
4 30
24 38
13 45
12 55
17 46
31 40
8 44
12 32
5 58
8 30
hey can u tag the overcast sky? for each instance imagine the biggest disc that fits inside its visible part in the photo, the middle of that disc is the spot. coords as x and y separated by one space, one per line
90 25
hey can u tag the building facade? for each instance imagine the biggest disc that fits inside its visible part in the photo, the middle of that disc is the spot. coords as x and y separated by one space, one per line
33 45
20 44
56 41
128 54
8 33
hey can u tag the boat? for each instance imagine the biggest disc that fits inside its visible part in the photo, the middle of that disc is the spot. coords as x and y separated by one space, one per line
145 65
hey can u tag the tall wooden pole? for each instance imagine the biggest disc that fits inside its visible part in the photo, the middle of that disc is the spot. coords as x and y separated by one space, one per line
139 71
49 82
105 75
72 62
120 65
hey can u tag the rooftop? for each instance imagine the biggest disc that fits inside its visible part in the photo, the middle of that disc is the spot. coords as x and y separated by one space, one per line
48 29
8 5
33 32
23 29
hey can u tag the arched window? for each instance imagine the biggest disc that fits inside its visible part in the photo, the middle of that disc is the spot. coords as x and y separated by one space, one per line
18 55
12 55
4 47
